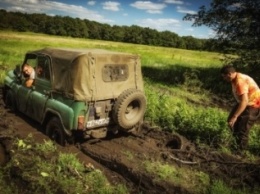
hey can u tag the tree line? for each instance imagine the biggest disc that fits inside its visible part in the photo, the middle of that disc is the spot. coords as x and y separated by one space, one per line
237 27
236 23
75 27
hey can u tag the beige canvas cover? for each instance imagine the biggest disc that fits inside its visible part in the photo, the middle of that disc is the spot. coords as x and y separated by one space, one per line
78 73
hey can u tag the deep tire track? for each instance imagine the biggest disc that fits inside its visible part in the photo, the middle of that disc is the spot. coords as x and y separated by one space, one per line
121 157
126 155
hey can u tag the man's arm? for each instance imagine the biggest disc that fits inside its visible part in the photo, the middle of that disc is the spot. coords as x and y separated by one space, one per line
28 83
241 107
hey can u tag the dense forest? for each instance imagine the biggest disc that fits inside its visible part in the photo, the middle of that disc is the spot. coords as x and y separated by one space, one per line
75 27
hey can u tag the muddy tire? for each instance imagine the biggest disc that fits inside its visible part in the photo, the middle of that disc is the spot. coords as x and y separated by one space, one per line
179 142
129 108
9 100
54 131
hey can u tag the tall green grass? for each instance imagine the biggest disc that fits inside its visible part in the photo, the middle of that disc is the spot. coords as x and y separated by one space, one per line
179 85
42 168
188 114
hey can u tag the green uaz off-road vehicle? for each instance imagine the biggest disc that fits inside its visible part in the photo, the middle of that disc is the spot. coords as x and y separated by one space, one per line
89 91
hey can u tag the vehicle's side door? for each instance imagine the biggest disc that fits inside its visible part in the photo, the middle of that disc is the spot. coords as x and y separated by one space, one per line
41 89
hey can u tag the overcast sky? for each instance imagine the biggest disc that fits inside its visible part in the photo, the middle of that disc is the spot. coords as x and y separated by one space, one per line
155 14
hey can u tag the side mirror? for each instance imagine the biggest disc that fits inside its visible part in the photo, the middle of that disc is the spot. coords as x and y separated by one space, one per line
17 71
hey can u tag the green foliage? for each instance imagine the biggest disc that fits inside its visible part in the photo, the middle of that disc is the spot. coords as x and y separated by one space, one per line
6 187
254 140
69 161
198 123
41 168
128 154
218 186
191 180
237 27
75 27
46 147
202 125
163 171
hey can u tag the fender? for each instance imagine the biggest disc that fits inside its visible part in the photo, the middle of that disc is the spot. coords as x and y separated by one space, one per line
64 112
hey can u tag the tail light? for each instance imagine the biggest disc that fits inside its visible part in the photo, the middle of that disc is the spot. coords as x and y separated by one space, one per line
81 122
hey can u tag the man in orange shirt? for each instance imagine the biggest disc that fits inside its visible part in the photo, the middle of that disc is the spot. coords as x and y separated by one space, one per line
247 109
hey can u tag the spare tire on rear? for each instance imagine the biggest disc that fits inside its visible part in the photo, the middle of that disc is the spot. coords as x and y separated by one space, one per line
129 108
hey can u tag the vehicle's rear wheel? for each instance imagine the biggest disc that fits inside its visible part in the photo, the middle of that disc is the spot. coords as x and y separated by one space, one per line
9 100
55 131
129 108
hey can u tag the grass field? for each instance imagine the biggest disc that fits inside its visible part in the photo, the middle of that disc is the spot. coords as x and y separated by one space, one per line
179 84
155 60
14 45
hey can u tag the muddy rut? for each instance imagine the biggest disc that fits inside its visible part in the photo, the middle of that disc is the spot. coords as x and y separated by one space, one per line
122 157
127 153
118 156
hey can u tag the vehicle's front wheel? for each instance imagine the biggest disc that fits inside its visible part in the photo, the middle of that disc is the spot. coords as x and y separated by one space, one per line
55 131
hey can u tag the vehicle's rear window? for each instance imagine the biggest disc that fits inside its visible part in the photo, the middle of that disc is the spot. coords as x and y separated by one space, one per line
113 73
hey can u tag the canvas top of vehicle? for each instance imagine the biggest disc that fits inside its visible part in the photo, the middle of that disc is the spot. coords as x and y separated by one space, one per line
92 74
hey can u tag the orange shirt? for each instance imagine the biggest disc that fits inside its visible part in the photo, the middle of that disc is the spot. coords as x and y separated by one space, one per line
243 84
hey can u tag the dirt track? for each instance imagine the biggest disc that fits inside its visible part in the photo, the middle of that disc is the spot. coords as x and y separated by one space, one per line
122 157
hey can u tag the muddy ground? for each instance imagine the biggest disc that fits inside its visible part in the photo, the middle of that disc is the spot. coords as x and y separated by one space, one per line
119 156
